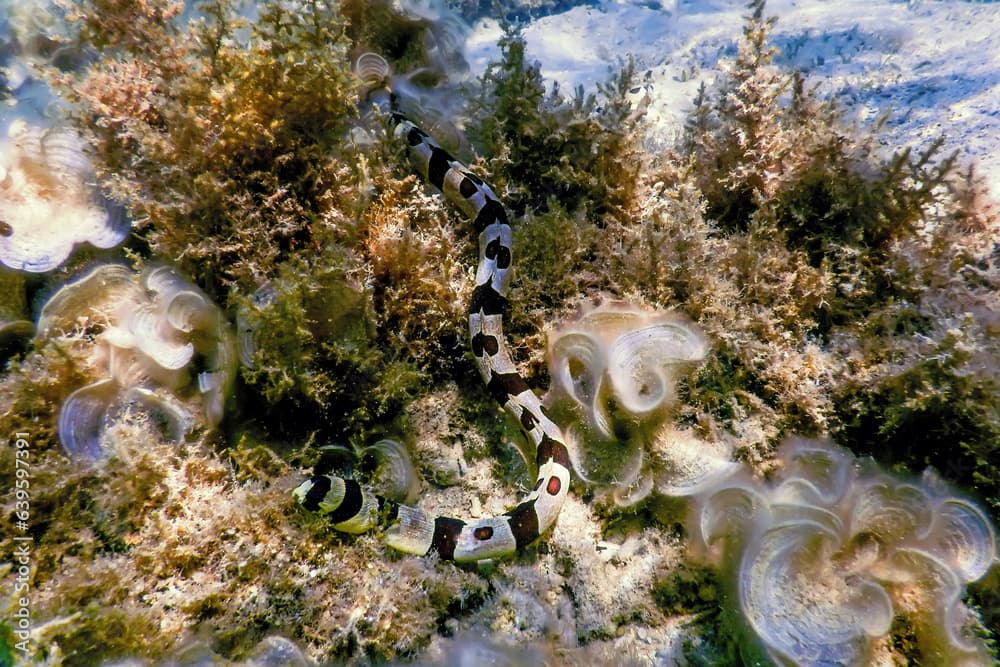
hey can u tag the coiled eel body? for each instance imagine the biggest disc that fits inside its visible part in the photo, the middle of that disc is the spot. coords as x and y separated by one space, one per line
353 509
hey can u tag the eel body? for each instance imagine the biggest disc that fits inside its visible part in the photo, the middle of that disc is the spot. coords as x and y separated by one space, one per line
352 508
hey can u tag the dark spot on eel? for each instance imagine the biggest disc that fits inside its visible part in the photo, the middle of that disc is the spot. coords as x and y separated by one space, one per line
498 252
482 343
467 188
553 486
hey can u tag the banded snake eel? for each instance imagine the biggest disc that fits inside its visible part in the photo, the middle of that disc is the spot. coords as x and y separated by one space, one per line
353 509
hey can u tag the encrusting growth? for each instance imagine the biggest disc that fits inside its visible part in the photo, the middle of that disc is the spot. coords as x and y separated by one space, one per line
351 508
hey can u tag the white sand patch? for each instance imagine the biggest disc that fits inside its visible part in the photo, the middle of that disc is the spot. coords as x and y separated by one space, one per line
932 66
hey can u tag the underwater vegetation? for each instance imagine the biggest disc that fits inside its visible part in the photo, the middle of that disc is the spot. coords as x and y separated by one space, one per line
424 41
782 276
546 151
614 372
48 202
207 128
234 160
15 329
157 338
830 551
616 356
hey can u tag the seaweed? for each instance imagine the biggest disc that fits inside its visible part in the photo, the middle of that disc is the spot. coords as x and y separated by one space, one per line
219 142
936 412
544 148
